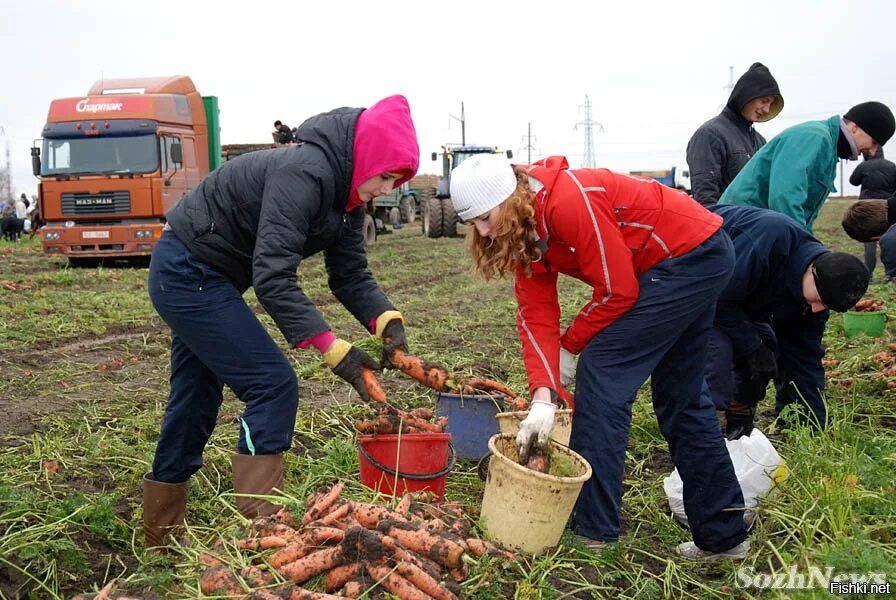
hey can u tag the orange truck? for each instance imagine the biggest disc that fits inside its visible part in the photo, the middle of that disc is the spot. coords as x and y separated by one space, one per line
112 162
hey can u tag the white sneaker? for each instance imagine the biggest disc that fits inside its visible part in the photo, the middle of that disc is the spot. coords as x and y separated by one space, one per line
597 546
690 551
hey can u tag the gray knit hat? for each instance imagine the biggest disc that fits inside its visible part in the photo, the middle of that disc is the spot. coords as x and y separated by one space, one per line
481 183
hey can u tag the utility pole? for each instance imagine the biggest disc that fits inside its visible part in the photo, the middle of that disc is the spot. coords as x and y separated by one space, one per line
6 175
463 125
588 157
528 139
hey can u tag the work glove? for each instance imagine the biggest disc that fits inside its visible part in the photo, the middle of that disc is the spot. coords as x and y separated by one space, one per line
349 362
567 367
536 427
390 328
762 366
739 421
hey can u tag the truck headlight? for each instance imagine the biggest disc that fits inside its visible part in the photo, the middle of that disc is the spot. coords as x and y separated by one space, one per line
51 236
141 234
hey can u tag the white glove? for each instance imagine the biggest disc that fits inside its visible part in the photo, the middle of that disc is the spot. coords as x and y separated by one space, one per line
567 367
536 427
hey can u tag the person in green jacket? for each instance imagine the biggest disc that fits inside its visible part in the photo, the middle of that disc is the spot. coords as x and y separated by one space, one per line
794 173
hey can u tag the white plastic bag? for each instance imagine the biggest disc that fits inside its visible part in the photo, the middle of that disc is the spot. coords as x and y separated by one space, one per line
757 465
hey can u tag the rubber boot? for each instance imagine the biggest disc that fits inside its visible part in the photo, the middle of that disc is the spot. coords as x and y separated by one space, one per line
164 508
258 474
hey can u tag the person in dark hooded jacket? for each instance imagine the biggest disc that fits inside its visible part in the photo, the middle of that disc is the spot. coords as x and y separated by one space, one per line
772 315
250 223
721 147
876 176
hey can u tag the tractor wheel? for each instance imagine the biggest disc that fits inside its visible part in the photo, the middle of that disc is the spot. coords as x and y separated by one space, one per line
369 230
432 218
449 218
408 208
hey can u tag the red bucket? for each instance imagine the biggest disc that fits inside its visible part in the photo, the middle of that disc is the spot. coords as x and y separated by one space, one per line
421 461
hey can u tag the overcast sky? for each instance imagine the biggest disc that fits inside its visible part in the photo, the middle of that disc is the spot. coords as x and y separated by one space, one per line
654 71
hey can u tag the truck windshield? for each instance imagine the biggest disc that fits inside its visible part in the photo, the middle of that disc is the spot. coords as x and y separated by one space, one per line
98 155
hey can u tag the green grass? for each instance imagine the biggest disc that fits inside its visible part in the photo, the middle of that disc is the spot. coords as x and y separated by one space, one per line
84 381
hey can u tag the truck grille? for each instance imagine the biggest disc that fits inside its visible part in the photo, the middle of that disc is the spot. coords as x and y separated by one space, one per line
104 203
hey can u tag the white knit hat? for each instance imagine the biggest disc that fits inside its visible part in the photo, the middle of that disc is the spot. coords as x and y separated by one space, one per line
481 183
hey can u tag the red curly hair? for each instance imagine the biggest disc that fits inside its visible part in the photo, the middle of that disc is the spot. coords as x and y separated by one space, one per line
515 243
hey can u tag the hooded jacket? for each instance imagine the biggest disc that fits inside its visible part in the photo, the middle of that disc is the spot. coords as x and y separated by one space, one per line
876 176
772 252
257 217
793 174
721 147
605 229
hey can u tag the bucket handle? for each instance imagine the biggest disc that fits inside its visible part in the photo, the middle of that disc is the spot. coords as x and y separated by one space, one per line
484 462
452 459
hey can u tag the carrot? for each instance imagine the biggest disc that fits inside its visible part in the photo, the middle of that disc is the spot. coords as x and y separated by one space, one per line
423 580
477 547
481 384
220 581
285 517
405 504
290 553
396 584
255 577
412 421
400 553
372 384
337 577
443 551
459 573
337 513
369 515
262 543
269 526
322 535
314 564
103 594
430 375
323 504
303 594
352 589
208 560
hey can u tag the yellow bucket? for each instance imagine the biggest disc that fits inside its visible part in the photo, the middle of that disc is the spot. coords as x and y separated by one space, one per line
525 509
509 423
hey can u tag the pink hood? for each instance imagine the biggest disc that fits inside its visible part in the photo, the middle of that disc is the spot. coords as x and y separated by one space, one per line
385 140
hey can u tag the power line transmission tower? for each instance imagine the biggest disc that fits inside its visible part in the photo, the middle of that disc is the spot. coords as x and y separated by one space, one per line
588 157
728 88
529 147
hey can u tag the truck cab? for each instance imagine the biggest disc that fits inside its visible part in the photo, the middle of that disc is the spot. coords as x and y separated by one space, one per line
112 162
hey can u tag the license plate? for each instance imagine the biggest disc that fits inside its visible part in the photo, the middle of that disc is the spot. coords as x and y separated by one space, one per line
95 234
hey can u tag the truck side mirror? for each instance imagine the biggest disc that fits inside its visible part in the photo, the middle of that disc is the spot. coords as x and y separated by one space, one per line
434 156
177 153
35 161
510 154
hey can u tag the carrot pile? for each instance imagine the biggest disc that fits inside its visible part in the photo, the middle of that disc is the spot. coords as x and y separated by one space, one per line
392 420
868 305
415 551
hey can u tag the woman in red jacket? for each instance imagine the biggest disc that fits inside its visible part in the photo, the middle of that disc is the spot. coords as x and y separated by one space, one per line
656 261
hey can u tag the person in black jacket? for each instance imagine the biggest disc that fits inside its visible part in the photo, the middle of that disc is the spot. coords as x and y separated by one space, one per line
250 223
282 133
772 315
876 176
721 147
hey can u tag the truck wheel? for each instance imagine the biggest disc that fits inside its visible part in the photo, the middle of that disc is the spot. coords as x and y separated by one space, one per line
395 217
408 209
369 230
449 218
432 218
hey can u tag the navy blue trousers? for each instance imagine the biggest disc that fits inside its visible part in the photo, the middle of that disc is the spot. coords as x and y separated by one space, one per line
664 336
216 340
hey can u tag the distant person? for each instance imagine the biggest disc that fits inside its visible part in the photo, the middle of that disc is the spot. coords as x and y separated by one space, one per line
874 220
771 317
876 177
721 147
282 133
251 223
7 220
794 173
